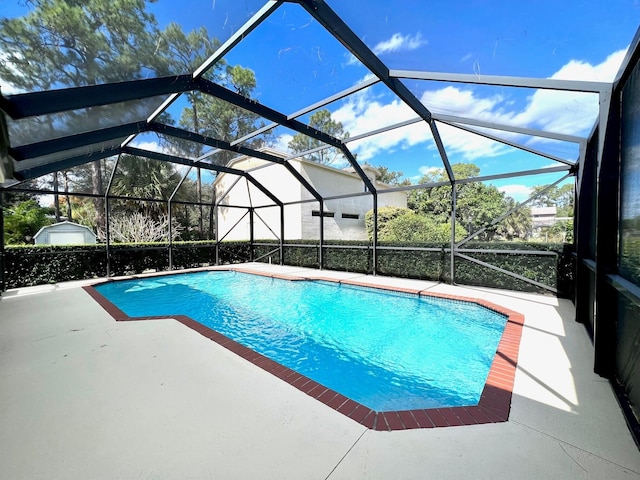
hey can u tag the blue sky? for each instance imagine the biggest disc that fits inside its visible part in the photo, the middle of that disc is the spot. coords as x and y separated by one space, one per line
297 63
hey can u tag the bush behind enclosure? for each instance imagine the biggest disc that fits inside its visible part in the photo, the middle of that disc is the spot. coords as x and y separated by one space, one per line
37 265
435 264
41 264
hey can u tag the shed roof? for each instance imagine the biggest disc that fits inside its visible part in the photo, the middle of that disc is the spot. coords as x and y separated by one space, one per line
65 225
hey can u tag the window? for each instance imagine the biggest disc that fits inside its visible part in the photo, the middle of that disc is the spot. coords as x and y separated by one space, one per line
316 213
354 216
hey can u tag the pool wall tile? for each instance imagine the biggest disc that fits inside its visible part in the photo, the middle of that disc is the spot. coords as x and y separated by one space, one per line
370 420
348 407
436 417
495 400
408 419
337 401
422 419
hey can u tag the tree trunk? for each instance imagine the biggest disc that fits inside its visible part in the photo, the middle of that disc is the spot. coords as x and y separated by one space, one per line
56 199
199 192
96 183
65 175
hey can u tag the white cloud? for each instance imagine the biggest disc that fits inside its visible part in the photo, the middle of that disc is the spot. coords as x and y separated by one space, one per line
364 113
468 145
399 42
518 192
425 170
396 43
563 112
429 170
282 142
603 72
151 146
8 89
456 101
351 59
569 112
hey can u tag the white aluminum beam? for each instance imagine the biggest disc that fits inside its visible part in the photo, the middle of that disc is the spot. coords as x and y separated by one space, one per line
511 144
503 81
299 113
507 128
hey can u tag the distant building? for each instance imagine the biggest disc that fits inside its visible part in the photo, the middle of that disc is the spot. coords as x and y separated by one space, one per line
344 217
543 217
65 233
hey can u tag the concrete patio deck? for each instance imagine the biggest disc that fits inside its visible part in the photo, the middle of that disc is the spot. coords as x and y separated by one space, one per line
85 397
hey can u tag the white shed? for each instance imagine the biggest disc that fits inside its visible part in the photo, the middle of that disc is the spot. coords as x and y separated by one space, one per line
65 233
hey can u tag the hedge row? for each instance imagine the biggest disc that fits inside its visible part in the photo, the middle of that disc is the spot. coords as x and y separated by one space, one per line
36 265
42 264
414 261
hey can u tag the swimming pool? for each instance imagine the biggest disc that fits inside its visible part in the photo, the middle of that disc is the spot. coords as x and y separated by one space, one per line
387 351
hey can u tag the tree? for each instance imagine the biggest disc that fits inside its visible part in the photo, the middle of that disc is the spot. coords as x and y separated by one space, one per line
516 226
23 220
84 210
218 119
71 43
206 115
385 215
396 224
321 120
141 177
138 228
561 231
560 197
67 43
390 177
477 203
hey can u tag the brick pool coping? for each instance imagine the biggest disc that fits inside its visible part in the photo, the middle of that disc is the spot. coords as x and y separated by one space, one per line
495 400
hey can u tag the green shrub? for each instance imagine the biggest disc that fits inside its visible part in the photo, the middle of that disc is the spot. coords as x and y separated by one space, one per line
413 260
41 264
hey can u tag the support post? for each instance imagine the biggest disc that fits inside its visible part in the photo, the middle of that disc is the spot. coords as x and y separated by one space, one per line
281 234
607 234
454 200
251 239
107 228
321 252
374 257
216 232
3 282
170 234
586 188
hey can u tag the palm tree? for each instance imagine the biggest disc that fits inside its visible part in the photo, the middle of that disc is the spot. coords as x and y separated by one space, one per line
140 177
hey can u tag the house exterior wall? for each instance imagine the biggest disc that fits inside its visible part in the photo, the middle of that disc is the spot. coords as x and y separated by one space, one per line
342 225
273 177
543 216
302 220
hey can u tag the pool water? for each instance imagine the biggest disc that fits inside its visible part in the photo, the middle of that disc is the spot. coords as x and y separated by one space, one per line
385 350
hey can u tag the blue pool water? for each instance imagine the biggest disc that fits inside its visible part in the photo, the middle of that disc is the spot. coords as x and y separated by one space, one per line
388 351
